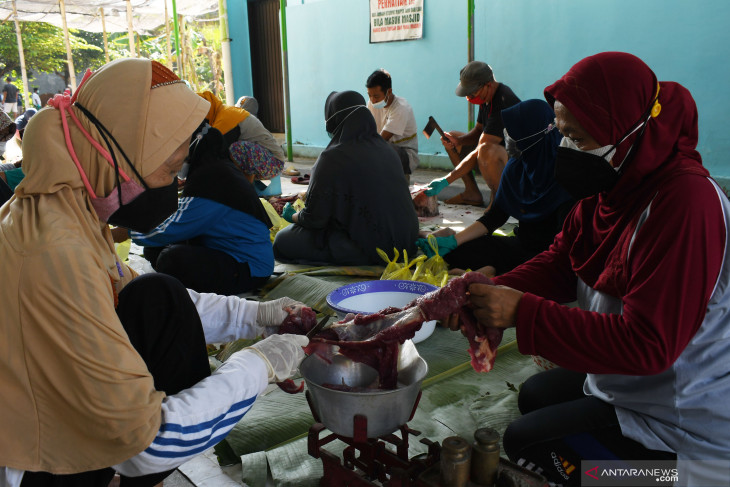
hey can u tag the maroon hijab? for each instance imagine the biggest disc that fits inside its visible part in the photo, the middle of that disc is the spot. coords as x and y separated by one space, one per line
609 94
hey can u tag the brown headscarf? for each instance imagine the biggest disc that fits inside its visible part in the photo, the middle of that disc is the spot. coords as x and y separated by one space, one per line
76 394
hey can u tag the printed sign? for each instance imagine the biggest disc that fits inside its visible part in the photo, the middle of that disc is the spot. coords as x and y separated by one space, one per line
396 20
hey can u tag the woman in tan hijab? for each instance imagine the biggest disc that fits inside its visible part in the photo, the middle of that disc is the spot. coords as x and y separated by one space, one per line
101 370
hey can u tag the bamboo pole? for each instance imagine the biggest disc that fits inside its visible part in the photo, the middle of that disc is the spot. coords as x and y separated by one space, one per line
103 28
21 55
181 54
285 76
226 52
470 52
167 34
177 38
130 27
69 56
189 55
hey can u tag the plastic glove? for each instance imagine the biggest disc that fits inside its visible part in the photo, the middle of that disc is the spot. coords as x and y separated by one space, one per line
445 245
436 186
288 212
281 354
272 313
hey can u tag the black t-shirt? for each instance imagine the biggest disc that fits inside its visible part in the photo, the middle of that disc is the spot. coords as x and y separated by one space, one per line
490 114
11 93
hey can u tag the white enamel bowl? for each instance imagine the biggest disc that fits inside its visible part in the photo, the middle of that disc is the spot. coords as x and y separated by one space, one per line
369 297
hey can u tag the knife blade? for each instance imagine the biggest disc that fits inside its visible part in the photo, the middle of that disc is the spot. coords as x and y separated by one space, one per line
318 327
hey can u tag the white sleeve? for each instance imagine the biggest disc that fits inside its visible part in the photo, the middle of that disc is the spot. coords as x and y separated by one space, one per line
226 318
396 121
10 477
199 417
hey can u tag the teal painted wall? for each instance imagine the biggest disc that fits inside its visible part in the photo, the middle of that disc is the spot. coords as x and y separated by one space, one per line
528 43
329 50
531 43
240 48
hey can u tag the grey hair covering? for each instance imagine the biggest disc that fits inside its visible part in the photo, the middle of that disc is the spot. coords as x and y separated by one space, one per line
5 122
249 104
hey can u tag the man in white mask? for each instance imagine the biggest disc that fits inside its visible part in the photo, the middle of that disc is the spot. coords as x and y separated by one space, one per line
394 119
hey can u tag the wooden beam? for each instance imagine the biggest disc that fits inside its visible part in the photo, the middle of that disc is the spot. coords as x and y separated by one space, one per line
21 55
69 55
103 28
130 27
167 33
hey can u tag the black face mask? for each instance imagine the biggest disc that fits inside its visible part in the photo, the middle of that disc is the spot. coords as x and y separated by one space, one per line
583 174
147 210
151 207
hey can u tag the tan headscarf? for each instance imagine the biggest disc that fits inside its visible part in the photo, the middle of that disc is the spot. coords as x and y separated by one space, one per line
76 395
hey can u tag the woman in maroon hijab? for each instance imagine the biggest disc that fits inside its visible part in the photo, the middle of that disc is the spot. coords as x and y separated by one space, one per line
644 362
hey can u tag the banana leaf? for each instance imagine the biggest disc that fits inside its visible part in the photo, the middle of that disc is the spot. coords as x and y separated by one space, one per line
310 290
456 400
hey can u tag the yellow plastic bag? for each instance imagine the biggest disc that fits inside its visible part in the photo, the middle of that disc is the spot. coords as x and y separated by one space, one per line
398 271
423 274
436 264
122 249
391 266
298 204
277 222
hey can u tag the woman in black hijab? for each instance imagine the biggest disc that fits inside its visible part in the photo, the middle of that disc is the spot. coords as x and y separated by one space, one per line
358 198
218 241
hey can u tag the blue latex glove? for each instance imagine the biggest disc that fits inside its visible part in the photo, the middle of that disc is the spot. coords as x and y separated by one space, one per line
445 245
288 212
436 186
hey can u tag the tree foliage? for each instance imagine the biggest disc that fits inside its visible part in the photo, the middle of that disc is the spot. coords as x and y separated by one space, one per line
44 49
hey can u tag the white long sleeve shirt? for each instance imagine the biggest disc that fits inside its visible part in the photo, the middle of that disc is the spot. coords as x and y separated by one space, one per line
199 417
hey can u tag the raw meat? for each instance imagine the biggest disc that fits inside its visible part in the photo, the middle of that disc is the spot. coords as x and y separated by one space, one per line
278 202
426 206
291 387
374 339
301 319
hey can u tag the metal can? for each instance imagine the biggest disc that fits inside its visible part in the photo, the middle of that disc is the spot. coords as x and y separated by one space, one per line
485 455
455 462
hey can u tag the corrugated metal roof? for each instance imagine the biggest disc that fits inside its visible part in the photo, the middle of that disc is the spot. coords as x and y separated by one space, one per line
86 15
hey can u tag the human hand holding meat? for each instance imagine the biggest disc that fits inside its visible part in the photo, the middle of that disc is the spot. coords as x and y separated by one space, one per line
285 315
282 354
358 336
494 306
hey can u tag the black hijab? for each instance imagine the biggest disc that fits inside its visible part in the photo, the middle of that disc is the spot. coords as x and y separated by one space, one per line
212 175
357 184
347 118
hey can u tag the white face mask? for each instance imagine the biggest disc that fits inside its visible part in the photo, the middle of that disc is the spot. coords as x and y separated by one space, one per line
604 151
381 103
